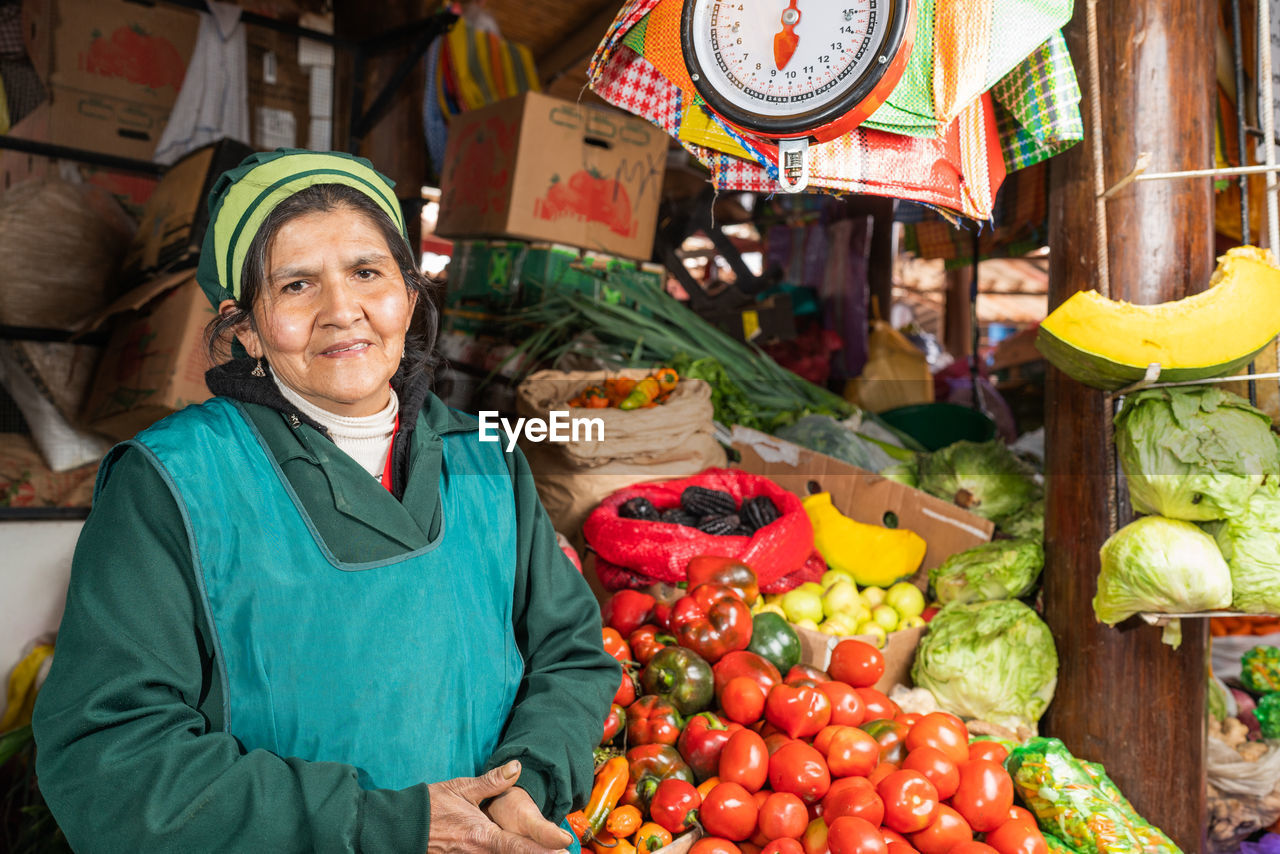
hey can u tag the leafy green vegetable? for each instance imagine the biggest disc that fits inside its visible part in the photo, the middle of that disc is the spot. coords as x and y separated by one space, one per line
1162 565
907 473
1260 670
1250 542
994 661
1004 569
1268 714
1195 453
1026 523
983 477
826 435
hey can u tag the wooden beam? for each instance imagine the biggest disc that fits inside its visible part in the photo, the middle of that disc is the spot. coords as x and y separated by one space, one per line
957 324
577 48
1124 698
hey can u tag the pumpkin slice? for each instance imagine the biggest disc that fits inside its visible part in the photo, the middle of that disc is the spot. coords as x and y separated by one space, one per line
1108 344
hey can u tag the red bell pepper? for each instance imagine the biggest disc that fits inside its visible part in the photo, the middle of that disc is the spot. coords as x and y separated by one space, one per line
712 621
733 573
615 645
647 641
652 720
701 742
675 805
650 764
626 694
614 723
627 610
803 674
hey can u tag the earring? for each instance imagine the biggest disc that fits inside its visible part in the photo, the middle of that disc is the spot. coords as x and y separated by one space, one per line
258 371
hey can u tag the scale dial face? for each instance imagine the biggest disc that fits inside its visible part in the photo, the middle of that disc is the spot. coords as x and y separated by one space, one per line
780 67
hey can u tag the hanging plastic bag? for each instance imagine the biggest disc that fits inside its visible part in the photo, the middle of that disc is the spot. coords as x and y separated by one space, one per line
896 373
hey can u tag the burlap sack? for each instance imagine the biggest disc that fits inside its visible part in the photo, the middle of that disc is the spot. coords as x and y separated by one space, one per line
671 440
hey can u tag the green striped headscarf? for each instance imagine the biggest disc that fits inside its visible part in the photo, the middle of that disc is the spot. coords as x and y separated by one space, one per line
243 197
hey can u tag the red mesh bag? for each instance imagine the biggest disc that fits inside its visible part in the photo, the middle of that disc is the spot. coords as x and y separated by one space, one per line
636 553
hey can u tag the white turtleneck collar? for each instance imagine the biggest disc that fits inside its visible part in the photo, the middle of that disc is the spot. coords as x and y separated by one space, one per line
366 438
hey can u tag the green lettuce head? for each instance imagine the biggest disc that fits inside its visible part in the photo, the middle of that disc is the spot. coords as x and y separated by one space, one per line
905 473
1250 542
983 477
1004 569
1161 565
994 661
1027 523
1195 453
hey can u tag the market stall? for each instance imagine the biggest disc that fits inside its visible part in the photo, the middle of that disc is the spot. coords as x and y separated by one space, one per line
870 361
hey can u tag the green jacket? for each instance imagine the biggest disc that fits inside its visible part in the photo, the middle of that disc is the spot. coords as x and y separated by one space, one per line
131 750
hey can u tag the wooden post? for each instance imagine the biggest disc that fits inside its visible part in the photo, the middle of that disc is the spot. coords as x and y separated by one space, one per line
957 326
1124 698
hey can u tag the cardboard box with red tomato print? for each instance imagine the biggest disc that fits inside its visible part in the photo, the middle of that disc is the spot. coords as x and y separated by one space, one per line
540 168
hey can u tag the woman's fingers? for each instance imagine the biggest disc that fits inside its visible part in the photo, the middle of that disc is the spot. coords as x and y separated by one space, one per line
458 824
488 785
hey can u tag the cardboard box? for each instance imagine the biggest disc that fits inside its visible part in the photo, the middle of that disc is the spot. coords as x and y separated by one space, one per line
874 500
279 90
155 362
114 69
539 168
175 217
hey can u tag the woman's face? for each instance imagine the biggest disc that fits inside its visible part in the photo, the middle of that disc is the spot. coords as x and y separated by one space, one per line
332 314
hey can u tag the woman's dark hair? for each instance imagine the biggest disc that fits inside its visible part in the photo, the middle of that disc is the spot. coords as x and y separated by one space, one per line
419 341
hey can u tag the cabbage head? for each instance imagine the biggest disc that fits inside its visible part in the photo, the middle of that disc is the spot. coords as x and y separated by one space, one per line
983 477
991 661
1027 523
1161 565
826 435
1250 542
1004 569
1195 453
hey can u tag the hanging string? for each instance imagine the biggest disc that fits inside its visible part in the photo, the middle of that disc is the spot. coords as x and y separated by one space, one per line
1101 252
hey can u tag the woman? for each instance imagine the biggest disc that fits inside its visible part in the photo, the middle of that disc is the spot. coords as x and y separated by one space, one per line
315 613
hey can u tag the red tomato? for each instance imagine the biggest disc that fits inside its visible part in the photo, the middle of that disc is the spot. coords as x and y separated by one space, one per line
947 830
815 838
822 740
973 846
879 706
626 693
891 736
749 848
783 845
740 662
852 752
853 796
910 801
934 765
1017 836
884 769
799 769
849 835
988 749
857 663
847 705
745 761
942 731
984 796
742 700
908 718
1021 814
892 836
714 845
901 848
797 710
783 814
615 645
729 811
775 740
805 673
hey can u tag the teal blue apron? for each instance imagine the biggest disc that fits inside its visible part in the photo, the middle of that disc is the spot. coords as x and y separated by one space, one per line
405 668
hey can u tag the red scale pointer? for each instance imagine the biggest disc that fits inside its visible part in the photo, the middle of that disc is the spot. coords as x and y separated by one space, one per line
786 42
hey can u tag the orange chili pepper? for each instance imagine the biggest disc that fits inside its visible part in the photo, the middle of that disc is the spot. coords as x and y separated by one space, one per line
707 785
577 821
610 783
667 378
607 843
623 821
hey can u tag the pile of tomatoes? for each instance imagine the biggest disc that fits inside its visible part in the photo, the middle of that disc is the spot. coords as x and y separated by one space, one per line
807 763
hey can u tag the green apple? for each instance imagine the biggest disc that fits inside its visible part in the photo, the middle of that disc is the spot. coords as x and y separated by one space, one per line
913 622
875 631
812 625
800 604
885 617
840 624
906 599
831 576
841 597
811 586
873 596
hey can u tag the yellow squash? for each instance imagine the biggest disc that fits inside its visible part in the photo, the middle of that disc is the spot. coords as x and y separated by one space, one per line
873 555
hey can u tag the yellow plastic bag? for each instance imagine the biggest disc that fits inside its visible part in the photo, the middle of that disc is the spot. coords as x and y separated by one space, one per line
896 373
